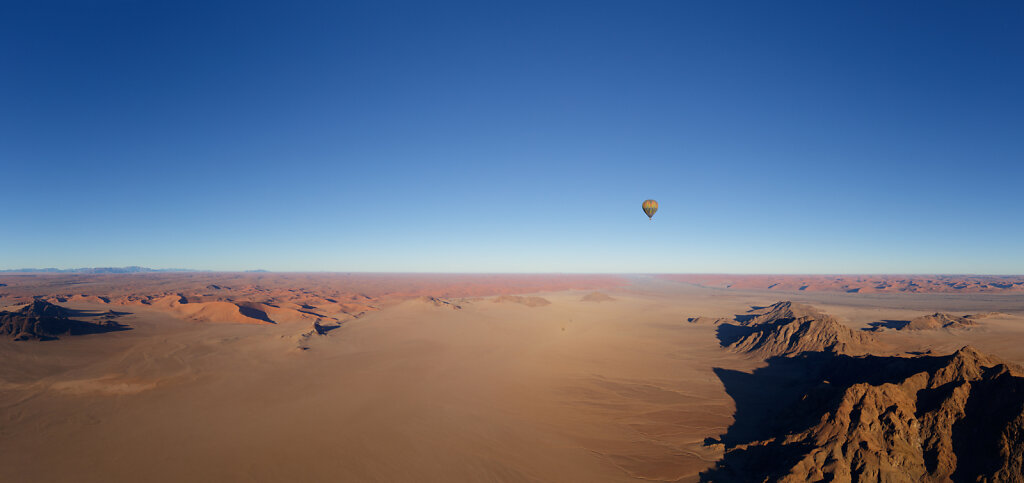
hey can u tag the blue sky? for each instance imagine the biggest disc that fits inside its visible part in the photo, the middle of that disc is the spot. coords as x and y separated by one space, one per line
778 137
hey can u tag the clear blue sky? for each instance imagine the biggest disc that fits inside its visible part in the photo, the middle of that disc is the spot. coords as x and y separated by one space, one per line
807 137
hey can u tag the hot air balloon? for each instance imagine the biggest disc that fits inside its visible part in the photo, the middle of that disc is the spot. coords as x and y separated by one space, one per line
650 207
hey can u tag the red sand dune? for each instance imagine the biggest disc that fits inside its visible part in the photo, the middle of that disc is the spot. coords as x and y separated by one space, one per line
859 283
279 297
629 390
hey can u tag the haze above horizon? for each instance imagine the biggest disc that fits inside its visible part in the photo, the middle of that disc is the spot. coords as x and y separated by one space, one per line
807 137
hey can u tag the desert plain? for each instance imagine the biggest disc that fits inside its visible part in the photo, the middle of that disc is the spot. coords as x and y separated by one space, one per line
562 378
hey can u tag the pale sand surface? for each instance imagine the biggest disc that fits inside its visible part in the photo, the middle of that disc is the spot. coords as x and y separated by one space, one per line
622 390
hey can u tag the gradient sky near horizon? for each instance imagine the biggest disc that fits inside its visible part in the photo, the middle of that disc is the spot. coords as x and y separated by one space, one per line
778 137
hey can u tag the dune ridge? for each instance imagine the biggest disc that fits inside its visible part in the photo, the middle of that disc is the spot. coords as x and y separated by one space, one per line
253 298
518 299
858 283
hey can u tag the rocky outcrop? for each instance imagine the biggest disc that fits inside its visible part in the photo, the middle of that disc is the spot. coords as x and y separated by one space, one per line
41 320
439 302
708 320
303 340
787 328
940 320
840 418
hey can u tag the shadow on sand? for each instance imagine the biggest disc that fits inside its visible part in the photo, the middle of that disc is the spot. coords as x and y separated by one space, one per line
110 314
730 333
887 324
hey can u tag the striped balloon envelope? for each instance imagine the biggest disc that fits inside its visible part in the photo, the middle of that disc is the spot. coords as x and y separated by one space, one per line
650 207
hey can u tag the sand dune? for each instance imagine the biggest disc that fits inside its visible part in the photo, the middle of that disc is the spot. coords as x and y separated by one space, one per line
222 312
295 287
376 384
860 283
597 297
527 301
88 298
280 298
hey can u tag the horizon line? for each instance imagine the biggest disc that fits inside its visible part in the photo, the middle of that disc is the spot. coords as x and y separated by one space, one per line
140 270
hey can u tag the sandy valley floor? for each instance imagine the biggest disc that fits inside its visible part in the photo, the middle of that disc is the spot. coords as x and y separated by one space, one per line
615 390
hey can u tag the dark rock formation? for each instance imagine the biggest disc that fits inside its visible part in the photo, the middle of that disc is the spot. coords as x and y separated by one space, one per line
41 320
439 302
788 328
832 417
708 320
939 320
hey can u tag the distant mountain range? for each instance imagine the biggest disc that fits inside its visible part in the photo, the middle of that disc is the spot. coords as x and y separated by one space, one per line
132 269
98 270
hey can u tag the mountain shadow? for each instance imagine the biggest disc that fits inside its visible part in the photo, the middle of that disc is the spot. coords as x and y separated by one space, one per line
826 416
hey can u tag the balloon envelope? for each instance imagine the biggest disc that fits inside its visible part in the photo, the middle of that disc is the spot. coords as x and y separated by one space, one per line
650 207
